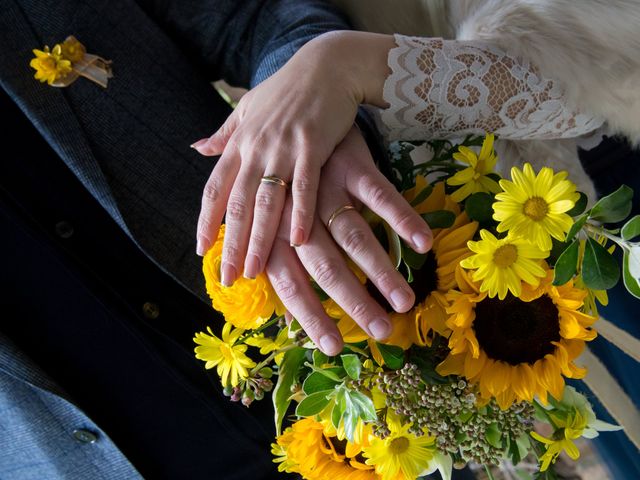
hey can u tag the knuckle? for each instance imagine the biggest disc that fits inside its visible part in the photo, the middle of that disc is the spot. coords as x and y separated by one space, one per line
383 278
211 191
359 310
378 195
312 325
265 201
286 288
303 183
230 251
325 273
403 220
355 241
236 209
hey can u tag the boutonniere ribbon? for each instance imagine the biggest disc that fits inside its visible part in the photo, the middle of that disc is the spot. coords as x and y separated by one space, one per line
67 61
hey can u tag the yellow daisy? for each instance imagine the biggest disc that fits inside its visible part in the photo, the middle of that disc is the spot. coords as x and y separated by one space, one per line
516 348
268 344
246 304
503 264
72 49
401 452
534 206
312 449
50 66
474 178
570 429
231 362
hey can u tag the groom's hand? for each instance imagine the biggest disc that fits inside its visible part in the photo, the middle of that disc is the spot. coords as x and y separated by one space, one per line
348 178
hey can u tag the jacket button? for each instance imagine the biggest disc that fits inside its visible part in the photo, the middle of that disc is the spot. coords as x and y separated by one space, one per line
64 229
150 310
85 436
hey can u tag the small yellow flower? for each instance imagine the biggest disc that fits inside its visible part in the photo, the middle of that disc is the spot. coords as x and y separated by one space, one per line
474 178
73 50
503 264
50 66
230 359
534 206
569 429
268 344
400 453
247 303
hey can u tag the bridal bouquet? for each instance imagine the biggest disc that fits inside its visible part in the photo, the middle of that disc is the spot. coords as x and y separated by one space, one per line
475 372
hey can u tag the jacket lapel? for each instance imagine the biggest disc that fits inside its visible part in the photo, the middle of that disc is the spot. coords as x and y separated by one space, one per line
47 107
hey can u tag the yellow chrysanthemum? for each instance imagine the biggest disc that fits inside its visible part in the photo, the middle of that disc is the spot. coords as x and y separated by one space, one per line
534 206
72 49
430 283
50 65
516 348
231 362
311 449
504 264
401 455
570 429
247 303
474 178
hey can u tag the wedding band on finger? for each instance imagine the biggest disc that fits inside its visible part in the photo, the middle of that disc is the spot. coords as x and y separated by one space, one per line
275 180
337 213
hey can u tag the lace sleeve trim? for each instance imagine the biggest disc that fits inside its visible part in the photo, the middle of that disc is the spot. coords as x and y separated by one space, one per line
444 88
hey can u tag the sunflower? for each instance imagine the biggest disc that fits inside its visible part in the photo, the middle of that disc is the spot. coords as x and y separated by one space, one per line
401 454
517 347
50 65
247 303
503 264
312 449
430 282
230 359
474 178
534 206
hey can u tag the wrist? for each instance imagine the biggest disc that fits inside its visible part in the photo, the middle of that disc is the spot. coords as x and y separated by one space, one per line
359 60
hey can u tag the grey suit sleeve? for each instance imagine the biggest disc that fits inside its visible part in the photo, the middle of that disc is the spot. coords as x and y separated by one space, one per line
243 41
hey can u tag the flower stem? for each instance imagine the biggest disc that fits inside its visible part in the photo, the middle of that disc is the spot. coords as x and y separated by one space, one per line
489 474
258 330
270 358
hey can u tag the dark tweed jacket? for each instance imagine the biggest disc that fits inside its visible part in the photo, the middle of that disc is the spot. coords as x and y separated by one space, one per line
129 146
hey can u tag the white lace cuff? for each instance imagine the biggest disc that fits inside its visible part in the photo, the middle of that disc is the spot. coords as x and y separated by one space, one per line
446 88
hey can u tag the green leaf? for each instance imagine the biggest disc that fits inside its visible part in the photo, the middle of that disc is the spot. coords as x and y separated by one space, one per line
493 435
313 404
439 218
631 229
412 259
393 356
615 207
395 246
319 358
600 271
350 422
339 407
287 376
316 382
631 270
580 206
352 365
479 207
363 404
422 196
576 227
567 264
334 373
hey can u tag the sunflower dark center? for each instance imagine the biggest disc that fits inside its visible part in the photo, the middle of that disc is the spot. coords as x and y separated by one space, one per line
515 331
425 281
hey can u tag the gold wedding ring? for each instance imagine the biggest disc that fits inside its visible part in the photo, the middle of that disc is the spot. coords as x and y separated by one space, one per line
275 180
339 211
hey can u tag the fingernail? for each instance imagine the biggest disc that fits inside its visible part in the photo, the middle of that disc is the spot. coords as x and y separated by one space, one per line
422 241
400 298
380 329
251 266
297 237
199 143
200 247
329 344
228 274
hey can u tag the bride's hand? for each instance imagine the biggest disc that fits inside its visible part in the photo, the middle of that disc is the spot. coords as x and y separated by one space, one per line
350 177
284 129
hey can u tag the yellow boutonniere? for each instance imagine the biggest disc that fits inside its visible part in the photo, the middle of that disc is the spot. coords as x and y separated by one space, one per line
66 62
